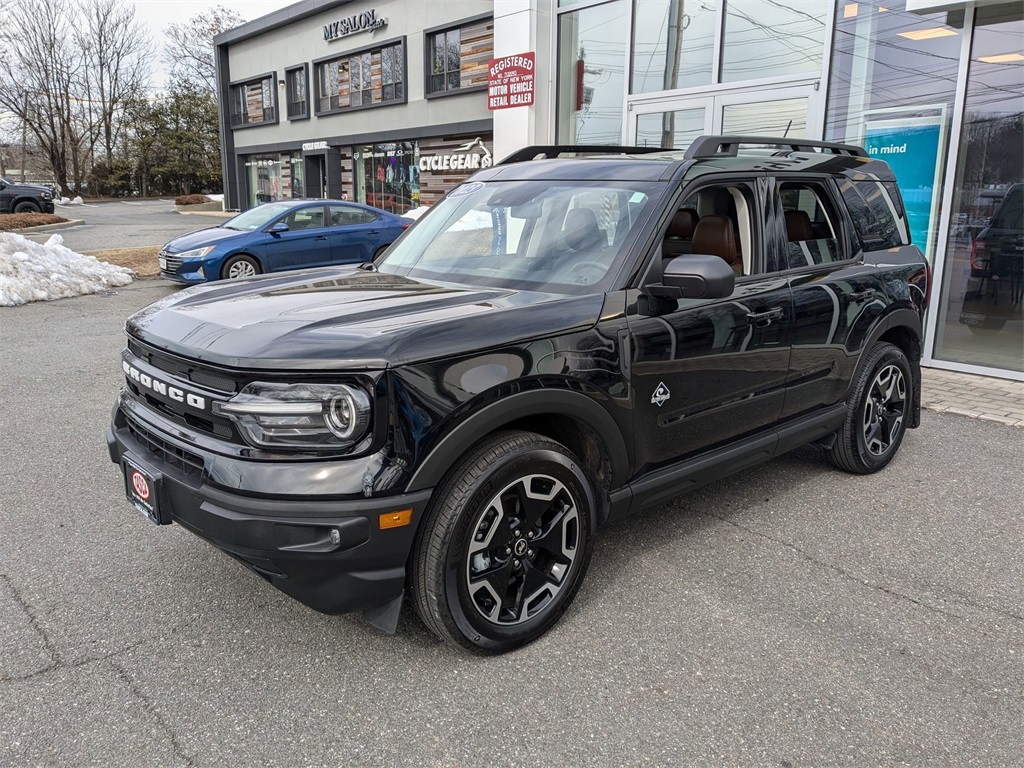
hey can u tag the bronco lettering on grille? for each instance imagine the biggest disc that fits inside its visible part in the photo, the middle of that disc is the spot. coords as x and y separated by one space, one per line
177 394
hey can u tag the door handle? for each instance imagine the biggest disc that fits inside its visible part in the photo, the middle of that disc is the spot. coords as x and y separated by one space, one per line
320 237
858 296
761 319
374 231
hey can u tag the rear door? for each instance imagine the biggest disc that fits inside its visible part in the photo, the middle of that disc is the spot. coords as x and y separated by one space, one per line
304 244
836 296
356 234
708 371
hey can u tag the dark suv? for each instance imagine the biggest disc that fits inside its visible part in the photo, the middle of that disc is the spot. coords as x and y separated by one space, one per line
559 342
24 198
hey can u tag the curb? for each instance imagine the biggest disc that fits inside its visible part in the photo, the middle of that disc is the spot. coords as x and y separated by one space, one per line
47 227
222 214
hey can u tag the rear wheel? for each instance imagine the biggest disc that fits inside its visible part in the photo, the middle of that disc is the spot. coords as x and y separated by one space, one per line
505 545
240 266
877 412
27 206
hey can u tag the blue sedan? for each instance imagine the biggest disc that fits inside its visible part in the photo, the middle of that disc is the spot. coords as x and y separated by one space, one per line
289 234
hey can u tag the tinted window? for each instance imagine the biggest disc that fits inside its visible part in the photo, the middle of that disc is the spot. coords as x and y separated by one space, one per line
877 214
305 218
811 225
344 216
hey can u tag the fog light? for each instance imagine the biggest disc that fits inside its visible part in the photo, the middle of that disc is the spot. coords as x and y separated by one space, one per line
335 536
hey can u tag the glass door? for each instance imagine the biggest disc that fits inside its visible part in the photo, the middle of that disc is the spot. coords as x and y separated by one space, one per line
791 111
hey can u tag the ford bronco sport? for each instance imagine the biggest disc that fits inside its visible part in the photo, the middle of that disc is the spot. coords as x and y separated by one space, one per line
558 343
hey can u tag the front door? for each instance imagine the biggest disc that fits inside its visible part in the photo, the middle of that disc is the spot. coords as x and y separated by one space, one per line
708 371
304 244
794 110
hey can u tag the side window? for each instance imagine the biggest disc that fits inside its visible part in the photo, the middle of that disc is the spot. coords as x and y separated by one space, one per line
305 218
717 221
346 216
812 226
877 214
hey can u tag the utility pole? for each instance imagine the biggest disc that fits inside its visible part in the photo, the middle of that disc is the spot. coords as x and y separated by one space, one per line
24 135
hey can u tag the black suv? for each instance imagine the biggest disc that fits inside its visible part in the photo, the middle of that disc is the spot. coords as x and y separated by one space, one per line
559 342
24 198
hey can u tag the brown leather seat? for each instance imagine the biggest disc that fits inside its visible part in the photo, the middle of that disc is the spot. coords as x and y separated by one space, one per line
679 237
581 230
716 235
798 226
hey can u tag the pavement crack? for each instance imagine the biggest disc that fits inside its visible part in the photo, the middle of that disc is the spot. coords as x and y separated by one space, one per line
843 572
33 621
148 706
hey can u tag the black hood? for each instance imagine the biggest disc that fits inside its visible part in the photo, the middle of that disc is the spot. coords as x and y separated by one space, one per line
344 318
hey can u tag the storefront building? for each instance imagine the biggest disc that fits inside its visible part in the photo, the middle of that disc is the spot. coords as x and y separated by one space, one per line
936 87
381 102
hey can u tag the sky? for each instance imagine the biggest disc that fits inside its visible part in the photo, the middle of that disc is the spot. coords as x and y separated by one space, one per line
157 14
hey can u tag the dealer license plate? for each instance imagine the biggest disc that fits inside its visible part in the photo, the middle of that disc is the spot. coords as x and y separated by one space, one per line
142 488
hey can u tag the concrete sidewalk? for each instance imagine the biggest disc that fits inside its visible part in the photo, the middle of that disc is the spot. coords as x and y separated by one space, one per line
980 397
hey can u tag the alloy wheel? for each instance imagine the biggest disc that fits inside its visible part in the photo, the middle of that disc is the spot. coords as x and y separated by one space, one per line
241 269
884 409
524 544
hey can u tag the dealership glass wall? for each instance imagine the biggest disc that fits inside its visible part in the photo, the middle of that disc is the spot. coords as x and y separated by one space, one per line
980 318
273 177
939 96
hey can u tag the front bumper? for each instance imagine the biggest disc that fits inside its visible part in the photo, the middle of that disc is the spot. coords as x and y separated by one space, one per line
284 538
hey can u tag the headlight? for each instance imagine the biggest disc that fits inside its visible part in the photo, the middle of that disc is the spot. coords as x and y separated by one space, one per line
195 253
45 195
311 417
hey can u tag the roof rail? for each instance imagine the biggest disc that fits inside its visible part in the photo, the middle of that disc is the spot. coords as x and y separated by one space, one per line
547 151
705 147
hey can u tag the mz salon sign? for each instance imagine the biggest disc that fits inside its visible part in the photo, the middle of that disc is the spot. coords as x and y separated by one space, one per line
357 22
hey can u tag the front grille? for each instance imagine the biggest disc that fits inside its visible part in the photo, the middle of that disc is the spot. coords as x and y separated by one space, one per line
182 460
173 262
187 370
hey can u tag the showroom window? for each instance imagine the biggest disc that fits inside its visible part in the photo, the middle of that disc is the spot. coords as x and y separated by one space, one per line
252 102
673 45
297 88
457 57
361 79
591 73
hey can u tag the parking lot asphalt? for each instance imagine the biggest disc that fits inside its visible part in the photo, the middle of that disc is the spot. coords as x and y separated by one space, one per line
124 224
794 615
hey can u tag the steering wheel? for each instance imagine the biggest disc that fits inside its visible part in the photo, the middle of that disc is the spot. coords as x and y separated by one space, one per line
588 265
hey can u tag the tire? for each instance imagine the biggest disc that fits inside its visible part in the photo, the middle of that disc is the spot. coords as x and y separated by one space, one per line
379 252
472 527
877 412
27 206
240 266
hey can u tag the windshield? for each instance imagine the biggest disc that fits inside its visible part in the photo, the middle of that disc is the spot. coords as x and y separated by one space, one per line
541 235
256 218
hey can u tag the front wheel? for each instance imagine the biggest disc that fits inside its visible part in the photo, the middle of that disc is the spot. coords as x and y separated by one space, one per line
240 266
27 206
877 412
505 545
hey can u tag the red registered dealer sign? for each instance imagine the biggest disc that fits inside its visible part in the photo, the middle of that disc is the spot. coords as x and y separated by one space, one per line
510 81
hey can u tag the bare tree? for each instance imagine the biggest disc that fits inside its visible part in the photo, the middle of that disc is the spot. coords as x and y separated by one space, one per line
66 72
117 55
189 50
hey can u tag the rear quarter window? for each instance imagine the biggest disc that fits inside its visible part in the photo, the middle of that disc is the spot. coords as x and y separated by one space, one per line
877 213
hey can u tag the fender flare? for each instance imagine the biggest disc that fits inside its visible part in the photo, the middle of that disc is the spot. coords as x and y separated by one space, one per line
901 317
538 402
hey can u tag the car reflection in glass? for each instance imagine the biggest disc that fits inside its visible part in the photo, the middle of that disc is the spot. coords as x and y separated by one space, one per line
282 235
996 284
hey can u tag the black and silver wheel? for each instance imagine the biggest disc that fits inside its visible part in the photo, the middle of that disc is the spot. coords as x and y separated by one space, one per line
505 545
27 206
878 412
240 266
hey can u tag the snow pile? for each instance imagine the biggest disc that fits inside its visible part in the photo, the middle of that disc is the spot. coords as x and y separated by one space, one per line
64 201
33 272
415 213
216 198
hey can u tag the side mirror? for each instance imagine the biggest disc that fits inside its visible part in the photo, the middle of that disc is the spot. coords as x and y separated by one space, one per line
278 228
695 276
3 185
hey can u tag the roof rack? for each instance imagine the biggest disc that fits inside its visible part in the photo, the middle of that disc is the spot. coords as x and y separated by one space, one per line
705 147
547 151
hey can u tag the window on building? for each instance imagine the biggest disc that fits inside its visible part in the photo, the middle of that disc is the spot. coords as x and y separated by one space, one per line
297 88
365 78
252 102
459 56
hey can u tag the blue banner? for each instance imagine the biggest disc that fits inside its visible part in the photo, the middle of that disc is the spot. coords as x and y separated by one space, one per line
911 147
